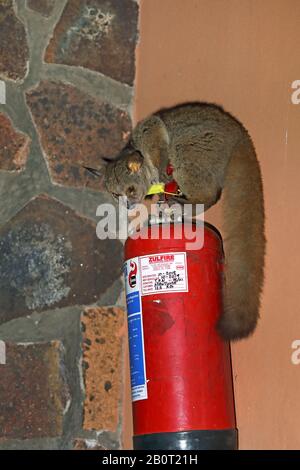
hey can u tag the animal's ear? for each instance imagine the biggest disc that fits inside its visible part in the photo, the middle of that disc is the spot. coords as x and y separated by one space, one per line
134 162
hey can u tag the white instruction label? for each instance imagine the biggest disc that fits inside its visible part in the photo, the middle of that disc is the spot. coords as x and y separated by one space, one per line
164 273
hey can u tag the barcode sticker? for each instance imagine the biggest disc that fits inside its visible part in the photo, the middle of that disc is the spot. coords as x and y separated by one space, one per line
163 273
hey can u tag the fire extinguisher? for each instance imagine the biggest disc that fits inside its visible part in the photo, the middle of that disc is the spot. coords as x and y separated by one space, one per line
181 377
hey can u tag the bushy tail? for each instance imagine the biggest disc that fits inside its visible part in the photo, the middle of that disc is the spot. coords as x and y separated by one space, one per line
244 243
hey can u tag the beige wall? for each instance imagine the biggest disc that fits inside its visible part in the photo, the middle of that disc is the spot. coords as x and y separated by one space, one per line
244 55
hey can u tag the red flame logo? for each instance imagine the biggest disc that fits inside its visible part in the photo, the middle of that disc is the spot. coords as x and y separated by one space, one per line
132 274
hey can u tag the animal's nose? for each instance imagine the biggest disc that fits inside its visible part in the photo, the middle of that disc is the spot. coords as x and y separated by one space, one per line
131 191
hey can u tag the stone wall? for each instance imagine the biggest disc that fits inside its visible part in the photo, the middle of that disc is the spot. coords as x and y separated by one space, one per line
68 68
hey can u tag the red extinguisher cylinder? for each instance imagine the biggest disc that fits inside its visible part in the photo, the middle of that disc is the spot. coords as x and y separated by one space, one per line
181 374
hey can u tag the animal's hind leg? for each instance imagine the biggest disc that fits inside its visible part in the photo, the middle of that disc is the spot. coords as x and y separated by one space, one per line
198 174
